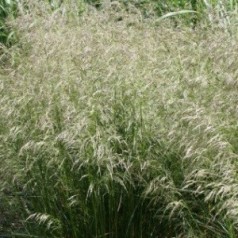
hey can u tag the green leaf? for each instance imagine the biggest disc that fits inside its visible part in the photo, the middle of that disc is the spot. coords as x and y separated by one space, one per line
171 14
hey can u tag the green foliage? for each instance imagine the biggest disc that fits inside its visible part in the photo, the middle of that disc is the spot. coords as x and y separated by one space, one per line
8 8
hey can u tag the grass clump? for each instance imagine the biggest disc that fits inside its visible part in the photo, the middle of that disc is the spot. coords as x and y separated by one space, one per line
118 128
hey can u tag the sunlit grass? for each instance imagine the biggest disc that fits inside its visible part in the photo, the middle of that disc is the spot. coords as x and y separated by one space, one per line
118 128
189 12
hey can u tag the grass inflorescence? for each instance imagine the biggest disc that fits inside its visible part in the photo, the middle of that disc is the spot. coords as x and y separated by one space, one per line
117 128
189 12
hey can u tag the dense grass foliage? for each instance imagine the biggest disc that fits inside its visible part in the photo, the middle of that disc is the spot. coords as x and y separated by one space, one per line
191 12
116 126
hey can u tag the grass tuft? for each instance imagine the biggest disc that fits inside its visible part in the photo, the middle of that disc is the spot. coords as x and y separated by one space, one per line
117 128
